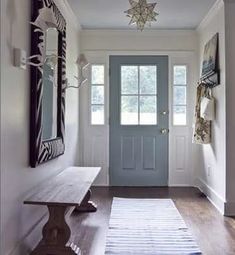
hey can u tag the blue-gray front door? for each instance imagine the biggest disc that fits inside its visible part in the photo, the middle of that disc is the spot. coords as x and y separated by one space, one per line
138 120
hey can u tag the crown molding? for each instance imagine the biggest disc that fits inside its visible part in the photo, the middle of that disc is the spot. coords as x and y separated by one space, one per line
212 12
136 33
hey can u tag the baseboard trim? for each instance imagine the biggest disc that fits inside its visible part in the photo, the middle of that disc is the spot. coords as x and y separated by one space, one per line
212 195
30 239
172 185
33 236
101 185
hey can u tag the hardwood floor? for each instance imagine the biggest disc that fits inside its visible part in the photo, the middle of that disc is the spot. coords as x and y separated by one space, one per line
214 233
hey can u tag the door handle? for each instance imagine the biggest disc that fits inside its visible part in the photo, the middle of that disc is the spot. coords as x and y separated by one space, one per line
164 131
164 113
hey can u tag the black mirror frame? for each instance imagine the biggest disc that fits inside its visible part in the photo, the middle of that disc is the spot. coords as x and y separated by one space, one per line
42 151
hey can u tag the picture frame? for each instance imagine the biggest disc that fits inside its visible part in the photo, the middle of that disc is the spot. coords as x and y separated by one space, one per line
44 150
210 75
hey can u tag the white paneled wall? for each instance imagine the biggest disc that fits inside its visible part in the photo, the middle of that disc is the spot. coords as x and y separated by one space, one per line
94 138
180 142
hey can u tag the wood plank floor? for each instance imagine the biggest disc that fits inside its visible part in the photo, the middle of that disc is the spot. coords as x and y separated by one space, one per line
214 233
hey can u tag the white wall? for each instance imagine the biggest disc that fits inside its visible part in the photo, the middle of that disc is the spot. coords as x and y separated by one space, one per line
19 232
125 40
230 105
98 45
210 160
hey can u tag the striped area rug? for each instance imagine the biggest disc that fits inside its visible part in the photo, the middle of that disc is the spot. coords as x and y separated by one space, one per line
148 226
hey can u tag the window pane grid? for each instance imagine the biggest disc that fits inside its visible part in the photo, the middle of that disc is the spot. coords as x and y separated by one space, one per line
138 101
180 95
180 85
97 74
180 74
139 95
97 94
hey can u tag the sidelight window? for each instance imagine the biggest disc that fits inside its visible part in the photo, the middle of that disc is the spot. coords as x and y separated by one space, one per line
97 94
180 95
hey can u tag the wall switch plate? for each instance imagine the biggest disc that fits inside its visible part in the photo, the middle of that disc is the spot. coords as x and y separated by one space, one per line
20 58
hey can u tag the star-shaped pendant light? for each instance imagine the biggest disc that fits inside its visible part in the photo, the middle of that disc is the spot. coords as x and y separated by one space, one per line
141 12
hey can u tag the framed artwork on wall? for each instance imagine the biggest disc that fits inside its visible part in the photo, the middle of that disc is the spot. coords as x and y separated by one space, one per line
210 66
210 56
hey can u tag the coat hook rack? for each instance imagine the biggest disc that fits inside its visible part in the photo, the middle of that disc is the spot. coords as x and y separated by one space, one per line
211 79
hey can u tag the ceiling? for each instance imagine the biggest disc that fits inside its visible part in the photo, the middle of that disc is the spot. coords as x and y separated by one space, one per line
109 14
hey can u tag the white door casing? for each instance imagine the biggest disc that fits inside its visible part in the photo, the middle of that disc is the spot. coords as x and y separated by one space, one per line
94 139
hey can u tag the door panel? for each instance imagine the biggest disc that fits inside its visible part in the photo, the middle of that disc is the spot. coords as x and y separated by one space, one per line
149 152
138 98
128 152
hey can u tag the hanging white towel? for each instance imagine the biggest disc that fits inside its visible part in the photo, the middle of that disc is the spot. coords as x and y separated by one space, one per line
207 108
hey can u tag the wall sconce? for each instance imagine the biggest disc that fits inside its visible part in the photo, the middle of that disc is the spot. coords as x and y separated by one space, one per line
46 19
20 60
82 66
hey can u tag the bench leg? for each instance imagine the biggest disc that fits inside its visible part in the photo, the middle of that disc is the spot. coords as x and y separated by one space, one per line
56 234
87 205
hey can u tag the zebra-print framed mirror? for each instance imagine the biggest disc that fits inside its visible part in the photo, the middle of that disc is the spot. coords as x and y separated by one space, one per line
48 82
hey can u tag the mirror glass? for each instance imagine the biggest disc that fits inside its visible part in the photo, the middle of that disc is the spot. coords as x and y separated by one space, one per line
50 86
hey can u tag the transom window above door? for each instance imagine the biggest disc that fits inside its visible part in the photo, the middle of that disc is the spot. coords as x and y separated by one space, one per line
138 95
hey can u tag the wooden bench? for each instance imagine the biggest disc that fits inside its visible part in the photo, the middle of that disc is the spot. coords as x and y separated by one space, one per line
69 189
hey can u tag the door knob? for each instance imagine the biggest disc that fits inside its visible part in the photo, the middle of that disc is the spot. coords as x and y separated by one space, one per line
164 131
164 112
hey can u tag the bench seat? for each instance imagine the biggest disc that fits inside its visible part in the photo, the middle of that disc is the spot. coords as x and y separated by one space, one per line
70 188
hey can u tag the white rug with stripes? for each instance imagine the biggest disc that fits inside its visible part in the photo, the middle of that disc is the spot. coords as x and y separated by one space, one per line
148 226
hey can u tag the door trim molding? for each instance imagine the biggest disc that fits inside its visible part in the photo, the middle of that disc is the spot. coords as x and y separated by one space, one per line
103 56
